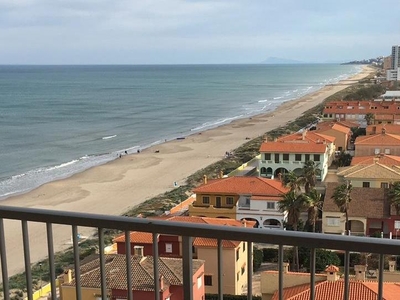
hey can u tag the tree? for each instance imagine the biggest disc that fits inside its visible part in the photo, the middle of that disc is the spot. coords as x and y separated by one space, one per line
315 202
291 181
369 117
342 198
394 196
309 176
293 204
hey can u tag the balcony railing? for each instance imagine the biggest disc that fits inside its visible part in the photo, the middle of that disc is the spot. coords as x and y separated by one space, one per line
187 231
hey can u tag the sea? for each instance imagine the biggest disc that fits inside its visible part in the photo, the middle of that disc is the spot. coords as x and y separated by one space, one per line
56 121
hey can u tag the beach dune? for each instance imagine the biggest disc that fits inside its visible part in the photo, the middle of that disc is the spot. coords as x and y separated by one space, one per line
115 187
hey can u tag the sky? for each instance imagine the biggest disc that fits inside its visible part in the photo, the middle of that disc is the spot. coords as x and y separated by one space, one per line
195 31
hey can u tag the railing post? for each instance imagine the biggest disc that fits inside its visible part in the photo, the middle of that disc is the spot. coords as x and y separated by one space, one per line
155 268
346 275
28 273
280 271
52 267
312 271
187 267
128 254
77 266
249 270
4 269
380 281
102 265
220 270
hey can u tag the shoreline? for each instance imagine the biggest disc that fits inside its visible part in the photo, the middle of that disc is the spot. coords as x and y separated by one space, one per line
115 187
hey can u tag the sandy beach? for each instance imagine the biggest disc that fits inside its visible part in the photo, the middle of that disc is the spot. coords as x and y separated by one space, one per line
115 187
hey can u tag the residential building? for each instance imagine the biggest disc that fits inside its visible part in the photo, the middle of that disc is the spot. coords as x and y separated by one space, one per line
385 143
289 153
384 112
233 252
366 203
379 128
170 281
333 288
375 175
342 134
241 198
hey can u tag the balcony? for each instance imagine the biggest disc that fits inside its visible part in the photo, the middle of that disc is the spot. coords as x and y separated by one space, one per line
187 231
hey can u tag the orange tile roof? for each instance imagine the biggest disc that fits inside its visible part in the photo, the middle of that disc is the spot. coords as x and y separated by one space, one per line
333 290
311 136
293 147
137 237
240 185
378 139
383 159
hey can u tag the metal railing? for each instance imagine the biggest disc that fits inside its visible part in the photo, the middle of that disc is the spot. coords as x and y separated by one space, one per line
187 231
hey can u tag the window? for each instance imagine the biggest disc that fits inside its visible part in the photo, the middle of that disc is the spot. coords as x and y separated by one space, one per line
237 254
285 156
168 248
267 156
297 157
387 151
199 282
206 200
307 157
208 280
138 250
384 185
270 205
332 221
229 200
366 184
316 157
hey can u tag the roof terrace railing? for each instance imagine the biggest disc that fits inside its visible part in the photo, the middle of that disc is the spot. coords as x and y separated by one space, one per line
187 231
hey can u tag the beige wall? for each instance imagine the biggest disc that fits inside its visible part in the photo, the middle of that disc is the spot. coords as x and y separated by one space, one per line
69 293
365 150
269 281
230 269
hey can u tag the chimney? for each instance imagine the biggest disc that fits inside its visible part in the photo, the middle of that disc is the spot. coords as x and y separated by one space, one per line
303 135
360 272
205 179
332 273
392 265
285 267
67 276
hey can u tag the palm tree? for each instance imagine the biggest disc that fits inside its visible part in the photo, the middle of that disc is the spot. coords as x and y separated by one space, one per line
342 198
394 196
293 203
315 201
309 176
291 181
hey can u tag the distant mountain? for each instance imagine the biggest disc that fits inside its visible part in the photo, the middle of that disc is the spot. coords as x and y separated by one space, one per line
279 60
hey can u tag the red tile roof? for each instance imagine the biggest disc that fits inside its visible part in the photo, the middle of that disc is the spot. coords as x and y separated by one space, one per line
293 147
383 159
333 290
240 185
378 139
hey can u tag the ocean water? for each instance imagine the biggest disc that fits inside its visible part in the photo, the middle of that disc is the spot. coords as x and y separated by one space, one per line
56 121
